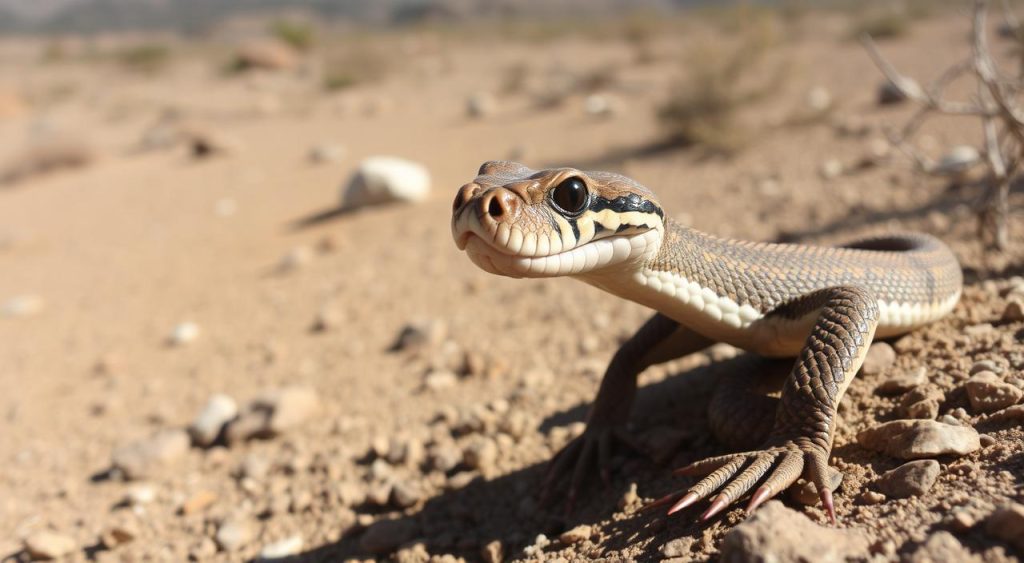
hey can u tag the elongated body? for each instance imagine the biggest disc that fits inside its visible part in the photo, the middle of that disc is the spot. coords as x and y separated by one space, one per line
822 305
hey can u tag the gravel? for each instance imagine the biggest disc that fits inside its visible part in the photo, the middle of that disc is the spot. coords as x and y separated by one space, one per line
144 457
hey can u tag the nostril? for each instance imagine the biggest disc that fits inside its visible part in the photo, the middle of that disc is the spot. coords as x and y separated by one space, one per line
494 208
460 200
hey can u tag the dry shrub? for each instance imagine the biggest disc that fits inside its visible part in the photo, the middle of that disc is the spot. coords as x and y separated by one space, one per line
47 157
300 36
353 64
702 107
146 58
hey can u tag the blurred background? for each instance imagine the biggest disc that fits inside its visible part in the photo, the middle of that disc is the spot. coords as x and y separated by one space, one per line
233 323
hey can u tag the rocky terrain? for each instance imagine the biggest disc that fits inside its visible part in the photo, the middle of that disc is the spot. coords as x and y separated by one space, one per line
232 330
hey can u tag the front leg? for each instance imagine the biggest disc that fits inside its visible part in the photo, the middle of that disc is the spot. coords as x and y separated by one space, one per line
659 340
801 439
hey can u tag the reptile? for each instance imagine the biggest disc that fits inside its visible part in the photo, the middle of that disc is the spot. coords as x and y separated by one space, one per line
821 305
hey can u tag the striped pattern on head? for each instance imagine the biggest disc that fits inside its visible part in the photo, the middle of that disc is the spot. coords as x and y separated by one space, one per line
519 222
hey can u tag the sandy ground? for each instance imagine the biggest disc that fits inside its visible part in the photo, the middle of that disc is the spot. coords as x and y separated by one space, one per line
121 252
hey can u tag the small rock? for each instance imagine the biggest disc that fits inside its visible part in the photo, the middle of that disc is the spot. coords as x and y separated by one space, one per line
49 545
879 358
386 179
962 520
140 494
444 457
204 142
911 479
985 365
198 502
207 426
492 552
903 382
233 534
630 499
777 533
440 380
575 535
138 459
184 333
480 454
405 494
114 536
819 99
326 153
295 259
679 547
914 439
421 334
870 497
922 402
988 393
288 547
385 536
957 161
1014 311
831 169
328 318
806 493
942 546
23 306
598 105
52 155
255 466
1007 524
480 105
896 92
273 413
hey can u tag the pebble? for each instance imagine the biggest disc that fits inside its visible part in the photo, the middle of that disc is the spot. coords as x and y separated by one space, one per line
295 259
903 382
204 142
327 318
405 494
911 479
892 93
870 497
493 552
326 153
958 160
922 402
49 545
274 412
879 358
480 105
287 547
818 99
420 334
777 533
988 393
233 534
1007 524
575 535
598 105
439 380
184 333
198 502
630 499
444 457
23 306
384 536
679 547
1013 312
207 426
985 365
141 458
140 494
913 439
805 493
117 535
386 179
831 169
480 454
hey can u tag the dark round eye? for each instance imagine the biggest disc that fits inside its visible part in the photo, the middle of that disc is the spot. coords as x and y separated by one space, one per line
570 196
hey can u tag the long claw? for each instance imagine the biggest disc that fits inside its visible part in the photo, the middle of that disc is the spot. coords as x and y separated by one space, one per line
826 499
660 502
688 499
716 506
761 495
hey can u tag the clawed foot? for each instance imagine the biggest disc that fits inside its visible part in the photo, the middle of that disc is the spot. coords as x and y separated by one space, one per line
593 449
740 472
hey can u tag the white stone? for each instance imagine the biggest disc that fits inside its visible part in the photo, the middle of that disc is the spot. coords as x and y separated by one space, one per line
23 306
958 160
207 425
386 179
184 333
280 549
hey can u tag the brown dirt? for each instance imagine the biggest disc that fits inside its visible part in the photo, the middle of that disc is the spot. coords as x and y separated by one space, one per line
127 248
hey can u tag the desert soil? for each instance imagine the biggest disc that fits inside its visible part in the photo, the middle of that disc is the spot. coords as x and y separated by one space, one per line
436 449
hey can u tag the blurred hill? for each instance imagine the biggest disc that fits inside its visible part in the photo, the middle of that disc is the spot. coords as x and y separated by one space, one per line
89 16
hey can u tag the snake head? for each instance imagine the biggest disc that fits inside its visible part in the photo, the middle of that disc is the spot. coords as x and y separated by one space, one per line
518 222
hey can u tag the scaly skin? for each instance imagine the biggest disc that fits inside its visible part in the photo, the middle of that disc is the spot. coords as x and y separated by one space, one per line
821 305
